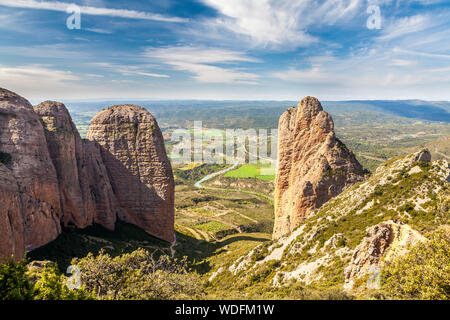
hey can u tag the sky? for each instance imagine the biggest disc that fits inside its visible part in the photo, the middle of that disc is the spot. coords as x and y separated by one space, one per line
226 49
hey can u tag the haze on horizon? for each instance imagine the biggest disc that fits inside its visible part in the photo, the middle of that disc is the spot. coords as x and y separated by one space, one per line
226 49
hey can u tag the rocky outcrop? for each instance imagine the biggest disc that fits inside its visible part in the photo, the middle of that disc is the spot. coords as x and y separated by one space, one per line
141 175
67 153
30 204
344 241
11 220
107 209
313 165
383 243
50 177
423 156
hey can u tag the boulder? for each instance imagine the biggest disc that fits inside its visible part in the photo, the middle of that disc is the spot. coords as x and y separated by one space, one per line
383 242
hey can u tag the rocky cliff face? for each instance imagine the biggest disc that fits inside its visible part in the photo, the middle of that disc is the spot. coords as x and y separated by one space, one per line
382 243
67 153
313 165
11 220
107 208
348 239
50 177
30 195
141 175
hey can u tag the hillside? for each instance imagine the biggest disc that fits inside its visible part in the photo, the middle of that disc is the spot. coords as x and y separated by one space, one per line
407 198
440 148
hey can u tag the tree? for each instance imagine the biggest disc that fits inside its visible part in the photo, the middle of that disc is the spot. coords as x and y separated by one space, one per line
138 275
14 281
22 281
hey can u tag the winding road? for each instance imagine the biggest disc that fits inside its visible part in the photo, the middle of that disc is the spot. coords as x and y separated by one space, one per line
236 163
198 184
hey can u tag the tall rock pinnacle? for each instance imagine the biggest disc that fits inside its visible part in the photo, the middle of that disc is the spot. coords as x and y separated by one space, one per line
313 165
141 175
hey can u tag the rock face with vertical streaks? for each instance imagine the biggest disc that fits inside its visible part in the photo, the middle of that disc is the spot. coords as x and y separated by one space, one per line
30 203
51 178
66 151
141 176
313 165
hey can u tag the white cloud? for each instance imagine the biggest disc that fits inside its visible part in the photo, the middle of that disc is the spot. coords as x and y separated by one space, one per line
274 22
202 62
407 25
38 80
396 74
41 82
98 30
402 63
127 70
35 73
311 75
198 55
212 74
62 6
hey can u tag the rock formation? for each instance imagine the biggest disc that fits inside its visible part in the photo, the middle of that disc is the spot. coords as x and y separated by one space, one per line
141 176
50 177
66 150
313 165
107 208
11 220
30 203
383 242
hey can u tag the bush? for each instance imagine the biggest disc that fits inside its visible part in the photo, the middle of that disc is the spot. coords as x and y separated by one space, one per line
138 275
423 273
50 285
14 282
20 282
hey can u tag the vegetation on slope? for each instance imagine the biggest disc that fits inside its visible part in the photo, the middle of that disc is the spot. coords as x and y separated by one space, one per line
253 171
21 282
413 193
423 273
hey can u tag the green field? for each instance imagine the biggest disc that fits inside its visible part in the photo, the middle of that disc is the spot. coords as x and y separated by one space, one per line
259 171
212 226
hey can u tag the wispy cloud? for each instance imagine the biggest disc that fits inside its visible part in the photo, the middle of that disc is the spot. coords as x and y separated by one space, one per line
407 25
367 74
129 70
203 63
35 73
63 6
272 22
98 30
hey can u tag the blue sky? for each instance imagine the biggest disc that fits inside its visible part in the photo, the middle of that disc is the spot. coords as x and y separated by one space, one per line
226 49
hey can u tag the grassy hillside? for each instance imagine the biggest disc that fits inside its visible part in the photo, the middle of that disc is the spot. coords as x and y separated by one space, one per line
317 252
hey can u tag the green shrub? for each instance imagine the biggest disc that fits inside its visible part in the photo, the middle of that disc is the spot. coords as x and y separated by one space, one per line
20 282
138 275
14 282
50 285
421 274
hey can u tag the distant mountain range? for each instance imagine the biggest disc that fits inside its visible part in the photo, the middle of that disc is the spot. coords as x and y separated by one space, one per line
418 109
198 110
